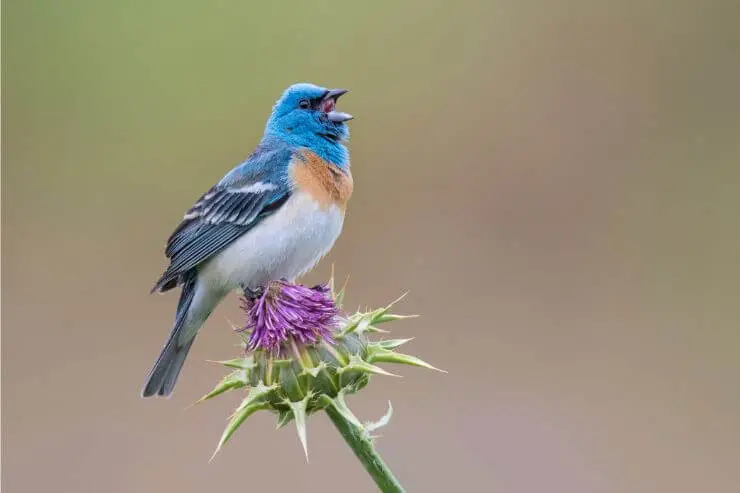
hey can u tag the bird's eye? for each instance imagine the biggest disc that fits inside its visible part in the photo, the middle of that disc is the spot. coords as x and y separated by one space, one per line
304 104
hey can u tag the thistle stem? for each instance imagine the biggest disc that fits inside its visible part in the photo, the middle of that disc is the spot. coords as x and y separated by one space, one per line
362 446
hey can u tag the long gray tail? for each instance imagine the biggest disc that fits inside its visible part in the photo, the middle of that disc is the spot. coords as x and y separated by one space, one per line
163 375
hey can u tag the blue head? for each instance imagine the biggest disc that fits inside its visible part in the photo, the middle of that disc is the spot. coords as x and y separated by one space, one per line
305 116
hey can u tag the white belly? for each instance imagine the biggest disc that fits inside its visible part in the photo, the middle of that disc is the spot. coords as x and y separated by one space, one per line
284 245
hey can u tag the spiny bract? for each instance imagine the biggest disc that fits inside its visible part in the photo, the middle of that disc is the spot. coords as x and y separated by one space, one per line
299 377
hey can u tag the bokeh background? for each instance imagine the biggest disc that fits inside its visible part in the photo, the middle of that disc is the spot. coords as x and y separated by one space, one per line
556 183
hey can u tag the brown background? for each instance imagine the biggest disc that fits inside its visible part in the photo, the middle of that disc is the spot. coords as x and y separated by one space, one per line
556 183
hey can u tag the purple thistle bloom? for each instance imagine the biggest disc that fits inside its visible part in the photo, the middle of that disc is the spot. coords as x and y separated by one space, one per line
286 311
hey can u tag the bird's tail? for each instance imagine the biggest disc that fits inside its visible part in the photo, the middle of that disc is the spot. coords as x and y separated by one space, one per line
164 373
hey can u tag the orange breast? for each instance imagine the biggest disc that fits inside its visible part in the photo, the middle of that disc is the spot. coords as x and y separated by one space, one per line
324 181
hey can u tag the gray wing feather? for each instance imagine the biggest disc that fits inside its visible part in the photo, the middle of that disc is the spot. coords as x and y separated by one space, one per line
221 216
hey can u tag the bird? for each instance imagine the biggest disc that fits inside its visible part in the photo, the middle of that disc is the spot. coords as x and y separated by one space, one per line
272 217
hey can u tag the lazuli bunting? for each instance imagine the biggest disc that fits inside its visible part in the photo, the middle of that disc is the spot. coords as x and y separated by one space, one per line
272 217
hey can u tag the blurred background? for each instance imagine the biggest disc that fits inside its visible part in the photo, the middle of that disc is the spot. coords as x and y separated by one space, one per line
556 183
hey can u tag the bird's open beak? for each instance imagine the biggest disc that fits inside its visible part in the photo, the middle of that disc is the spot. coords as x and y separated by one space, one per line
328 103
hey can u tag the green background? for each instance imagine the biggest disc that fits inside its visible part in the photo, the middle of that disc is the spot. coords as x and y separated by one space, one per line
556 183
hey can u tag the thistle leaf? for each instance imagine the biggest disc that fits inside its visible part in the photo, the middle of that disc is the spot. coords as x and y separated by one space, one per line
364 323
370 427
358 322
385 356
290 384
236 420
381 315
390 317
314 372
358 364
285 416
339 298
373 329
349 326
234 380
341 406
246 363
331 282
392 303
299 414
389 343
256 395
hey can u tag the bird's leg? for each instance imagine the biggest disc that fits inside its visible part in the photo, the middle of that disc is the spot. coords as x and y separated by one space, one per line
253 293
257 292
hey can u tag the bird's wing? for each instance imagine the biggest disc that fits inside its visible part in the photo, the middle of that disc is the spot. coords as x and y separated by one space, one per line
252 191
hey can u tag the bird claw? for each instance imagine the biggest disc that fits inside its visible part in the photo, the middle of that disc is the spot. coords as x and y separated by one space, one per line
253 293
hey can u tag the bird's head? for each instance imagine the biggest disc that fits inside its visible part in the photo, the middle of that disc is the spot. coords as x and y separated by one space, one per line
306 115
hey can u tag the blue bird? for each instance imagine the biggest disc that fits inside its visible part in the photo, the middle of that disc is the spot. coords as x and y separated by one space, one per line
272 217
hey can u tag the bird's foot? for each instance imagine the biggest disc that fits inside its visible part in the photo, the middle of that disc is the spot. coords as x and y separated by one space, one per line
253 293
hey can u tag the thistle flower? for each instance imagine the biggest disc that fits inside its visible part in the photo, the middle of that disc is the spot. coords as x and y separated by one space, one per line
303 356
289 311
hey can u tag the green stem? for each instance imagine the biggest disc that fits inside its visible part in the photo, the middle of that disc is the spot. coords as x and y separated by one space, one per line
362 446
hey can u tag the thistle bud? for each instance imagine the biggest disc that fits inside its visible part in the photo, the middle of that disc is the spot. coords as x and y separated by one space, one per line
303 355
